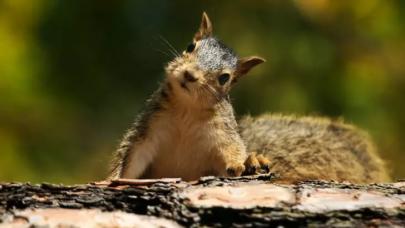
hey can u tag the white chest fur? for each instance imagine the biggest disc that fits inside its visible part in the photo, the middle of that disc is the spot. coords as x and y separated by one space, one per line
180 144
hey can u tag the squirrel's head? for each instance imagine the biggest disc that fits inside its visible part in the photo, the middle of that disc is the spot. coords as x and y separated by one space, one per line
207 70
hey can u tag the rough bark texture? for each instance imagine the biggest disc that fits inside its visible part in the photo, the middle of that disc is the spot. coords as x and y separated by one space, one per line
211 201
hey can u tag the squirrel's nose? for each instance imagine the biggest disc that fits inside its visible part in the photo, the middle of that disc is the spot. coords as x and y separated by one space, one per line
189 77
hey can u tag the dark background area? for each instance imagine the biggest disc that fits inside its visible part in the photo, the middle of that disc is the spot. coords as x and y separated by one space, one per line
73 74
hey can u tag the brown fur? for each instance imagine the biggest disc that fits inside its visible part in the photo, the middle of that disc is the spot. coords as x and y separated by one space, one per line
313 148
188 129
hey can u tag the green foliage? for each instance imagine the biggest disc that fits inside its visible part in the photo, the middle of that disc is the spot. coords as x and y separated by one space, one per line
73 74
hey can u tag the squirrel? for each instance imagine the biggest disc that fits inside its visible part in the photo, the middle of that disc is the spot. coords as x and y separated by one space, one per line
188 129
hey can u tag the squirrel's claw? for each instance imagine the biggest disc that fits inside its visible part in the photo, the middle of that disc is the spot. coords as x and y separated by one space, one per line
235 170
264 163
256 164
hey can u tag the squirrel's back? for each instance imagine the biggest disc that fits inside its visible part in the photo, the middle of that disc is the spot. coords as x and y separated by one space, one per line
303 148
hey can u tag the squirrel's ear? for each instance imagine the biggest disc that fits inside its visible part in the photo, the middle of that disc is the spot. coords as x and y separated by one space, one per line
205 29
246 64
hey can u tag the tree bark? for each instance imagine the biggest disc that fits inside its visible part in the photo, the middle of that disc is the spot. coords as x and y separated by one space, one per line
210 201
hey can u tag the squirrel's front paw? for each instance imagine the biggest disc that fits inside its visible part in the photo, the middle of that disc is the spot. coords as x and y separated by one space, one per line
256 164
235 170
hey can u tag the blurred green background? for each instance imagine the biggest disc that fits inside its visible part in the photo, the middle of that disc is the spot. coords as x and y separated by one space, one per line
73 74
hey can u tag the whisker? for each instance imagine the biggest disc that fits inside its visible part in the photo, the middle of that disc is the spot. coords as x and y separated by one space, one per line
212 91
152 46
218 96
162 52
173 53
169 45
201 93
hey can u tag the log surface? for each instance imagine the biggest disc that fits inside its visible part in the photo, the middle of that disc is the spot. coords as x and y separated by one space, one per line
210 201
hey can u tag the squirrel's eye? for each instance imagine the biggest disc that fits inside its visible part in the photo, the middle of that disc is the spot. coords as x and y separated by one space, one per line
190 48
223 78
